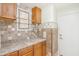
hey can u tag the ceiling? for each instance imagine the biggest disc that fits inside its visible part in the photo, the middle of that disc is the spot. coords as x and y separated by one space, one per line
58 6
66 6
31 5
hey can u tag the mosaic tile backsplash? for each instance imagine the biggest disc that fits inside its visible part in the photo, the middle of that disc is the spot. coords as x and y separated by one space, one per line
12 34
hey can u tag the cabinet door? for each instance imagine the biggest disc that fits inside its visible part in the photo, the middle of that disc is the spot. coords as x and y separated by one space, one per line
11 10
12 54
38 49
29 54
0 9
4 10
44 48
24 51
38 15
8 10
33 15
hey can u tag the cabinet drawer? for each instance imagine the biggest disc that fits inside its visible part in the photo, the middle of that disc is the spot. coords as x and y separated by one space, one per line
12 54
29 54
25 50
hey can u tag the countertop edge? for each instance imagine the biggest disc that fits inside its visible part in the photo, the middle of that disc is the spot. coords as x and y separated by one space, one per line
27 45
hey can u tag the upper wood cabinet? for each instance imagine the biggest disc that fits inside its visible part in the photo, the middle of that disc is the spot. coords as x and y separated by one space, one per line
8 10
36 15
0 9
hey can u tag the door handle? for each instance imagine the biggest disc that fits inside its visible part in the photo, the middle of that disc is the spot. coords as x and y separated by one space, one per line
60 36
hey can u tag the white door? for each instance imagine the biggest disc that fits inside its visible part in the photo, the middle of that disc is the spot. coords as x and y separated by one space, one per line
69 34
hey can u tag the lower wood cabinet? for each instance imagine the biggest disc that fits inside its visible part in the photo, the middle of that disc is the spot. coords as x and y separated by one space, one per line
38 49
12 54
44 48
26 51
28 54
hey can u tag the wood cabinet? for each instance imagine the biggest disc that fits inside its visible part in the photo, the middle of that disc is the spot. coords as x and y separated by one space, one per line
0 9
8 10
44 48
11 10
36 15
38 49
26 51
12 54
30 53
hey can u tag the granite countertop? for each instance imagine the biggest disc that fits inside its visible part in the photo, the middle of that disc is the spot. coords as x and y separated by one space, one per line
11 46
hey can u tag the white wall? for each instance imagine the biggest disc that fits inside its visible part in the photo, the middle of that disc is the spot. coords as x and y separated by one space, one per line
70 30
48 14
67 8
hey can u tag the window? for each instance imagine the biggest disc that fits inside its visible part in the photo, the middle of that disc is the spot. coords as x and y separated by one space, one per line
23 19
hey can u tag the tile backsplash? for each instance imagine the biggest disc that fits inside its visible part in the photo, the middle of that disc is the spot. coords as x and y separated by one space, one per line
11 33
2 25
